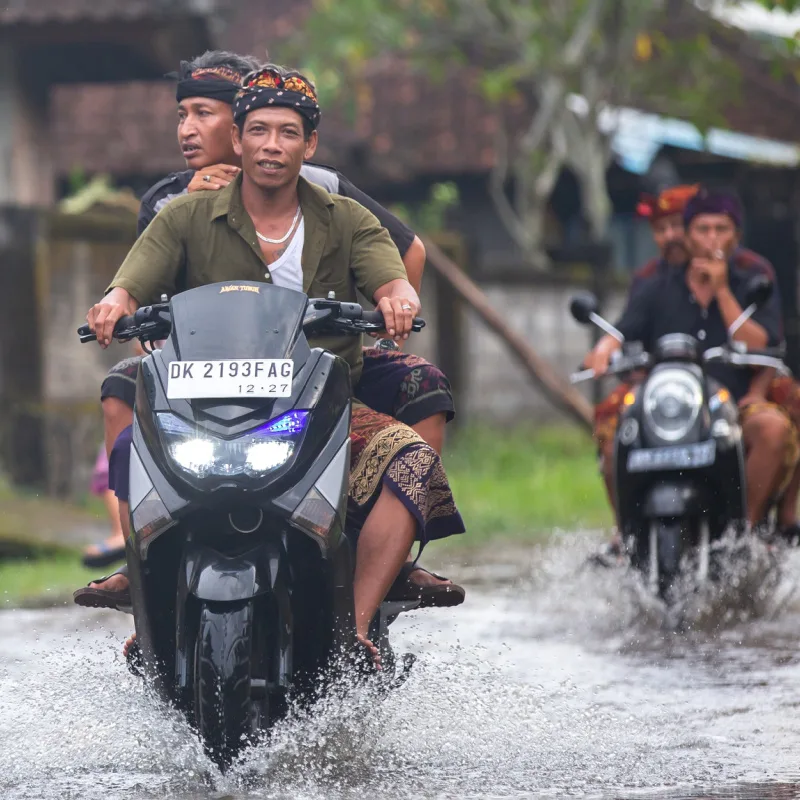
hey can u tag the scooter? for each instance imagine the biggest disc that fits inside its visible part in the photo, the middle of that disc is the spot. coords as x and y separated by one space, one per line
240 568
678 454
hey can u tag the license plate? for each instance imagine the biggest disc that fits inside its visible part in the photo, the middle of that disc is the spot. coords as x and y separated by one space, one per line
243 377
689 456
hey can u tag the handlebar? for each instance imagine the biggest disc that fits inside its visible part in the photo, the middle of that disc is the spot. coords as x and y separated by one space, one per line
767 352
148 322
151 323
769 357
620 366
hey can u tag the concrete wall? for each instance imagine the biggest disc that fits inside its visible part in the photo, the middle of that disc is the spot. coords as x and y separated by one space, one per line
55 266
77 261
494 386
52 267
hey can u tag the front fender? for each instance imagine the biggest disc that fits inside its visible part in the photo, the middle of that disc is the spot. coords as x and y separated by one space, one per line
666 500
214 577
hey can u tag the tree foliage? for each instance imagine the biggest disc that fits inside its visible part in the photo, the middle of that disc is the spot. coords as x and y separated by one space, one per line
790 6
562 65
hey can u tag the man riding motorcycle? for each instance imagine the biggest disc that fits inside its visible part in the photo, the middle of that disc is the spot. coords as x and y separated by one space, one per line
402 385
270 224
698 288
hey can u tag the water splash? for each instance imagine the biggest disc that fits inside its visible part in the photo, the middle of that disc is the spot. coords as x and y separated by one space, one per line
552 684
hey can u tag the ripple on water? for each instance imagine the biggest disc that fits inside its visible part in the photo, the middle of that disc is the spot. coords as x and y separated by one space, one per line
553 686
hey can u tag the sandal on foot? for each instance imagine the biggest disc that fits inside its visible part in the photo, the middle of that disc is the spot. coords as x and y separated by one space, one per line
443 595
107 555
91 597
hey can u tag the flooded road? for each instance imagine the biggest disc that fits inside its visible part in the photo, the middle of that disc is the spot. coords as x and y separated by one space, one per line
551 681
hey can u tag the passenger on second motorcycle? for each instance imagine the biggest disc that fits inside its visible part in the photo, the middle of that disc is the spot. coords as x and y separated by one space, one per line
395 383
701 294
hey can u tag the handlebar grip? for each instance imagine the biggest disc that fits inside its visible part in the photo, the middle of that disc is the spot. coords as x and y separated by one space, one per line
376 318
85 334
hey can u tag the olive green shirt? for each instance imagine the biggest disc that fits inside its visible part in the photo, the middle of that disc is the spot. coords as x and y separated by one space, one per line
208 237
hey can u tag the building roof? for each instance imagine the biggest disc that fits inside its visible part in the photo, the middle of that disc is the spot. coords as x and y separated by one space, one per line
407 127
40 12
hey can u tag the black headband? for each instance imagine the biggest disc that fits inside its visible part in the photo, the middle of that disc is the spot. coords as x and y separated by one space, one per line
213 89
216 83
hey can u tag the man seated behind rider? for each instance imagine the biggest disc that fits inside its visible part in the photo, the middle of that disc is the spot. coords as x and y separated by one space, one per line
666 215
402 385
702 296
208 237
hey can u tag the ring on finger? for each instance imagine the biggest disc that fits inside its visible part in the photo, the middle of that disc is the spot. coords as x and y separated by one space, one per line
207 178
406 307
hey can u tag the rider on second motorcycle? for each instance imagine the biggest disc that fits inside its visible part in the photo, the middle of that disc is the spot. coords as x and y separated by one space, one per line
700 291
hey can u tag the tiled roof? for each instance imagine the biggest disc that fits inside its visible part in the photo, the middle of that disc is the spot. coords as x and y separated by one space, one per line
407 126
122 129
36 12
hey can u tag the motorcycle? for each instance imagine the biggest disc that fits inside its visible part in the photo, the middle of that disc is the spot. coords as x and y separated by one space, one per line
240 569
679 471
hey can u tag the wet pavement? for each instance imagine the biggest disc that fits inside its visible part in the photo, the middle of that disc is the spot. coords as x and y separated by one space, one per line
551 681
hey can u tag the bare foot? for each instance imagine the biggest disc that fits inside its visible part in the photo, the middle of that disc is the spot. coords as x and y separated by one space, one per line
128 643
371 649
114 583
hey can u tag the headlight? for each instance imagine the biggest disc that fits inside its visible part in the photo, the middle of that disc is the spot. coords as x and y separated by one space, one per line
672 402
253 454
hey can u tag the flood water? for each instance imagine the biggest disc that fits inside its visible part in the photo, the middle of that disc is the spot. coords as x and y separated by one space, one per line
551 681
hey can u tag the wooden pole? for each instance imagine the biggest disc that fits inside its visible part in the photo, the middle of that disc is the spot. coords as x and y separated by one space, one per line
562 394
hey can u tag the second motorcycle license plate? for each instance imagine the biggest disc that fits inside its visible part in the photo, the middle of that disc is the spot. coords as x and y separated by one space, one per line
218 380
690 456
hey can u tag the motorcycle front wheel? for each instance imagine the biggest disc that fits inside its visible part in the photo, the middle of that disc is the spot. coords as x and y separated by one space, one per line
222 680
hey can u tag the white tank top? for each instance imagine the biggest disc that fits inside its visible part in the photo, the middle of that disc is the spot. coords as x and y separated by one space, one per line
287 271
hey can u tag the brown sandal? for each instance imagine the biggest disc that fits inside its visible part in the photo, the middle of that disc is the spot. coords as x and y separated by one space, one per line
89 597
440 596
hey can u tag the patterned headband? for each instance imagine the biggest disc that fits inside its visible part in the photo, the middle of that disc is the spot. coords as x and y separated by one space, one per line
268 87
217 83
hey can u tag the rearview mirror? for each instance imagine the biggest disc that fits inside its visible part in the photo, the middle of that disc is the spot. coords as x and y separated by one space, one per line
759 291
582 306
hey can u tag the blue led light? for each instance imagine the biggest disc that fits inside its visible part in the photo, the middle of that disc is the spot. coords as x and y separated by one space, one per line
292 422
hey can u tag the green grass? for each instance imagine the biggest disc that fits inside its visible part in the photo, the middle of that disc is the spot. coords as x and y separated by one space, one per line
520 483
42 581
525 482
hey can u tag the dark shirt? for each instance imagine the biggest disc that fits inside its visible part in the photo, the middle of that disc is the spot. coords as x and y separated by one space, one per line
176 184
663 304
653 267
741 259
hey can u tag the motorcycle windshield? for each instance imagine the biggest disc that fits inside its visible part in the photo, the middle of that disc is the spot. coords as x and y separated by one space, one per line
242 319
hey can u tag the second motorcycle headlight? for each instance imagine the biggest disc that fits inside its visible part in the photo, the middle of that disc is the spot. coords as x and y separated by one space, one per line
672 401
253 454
